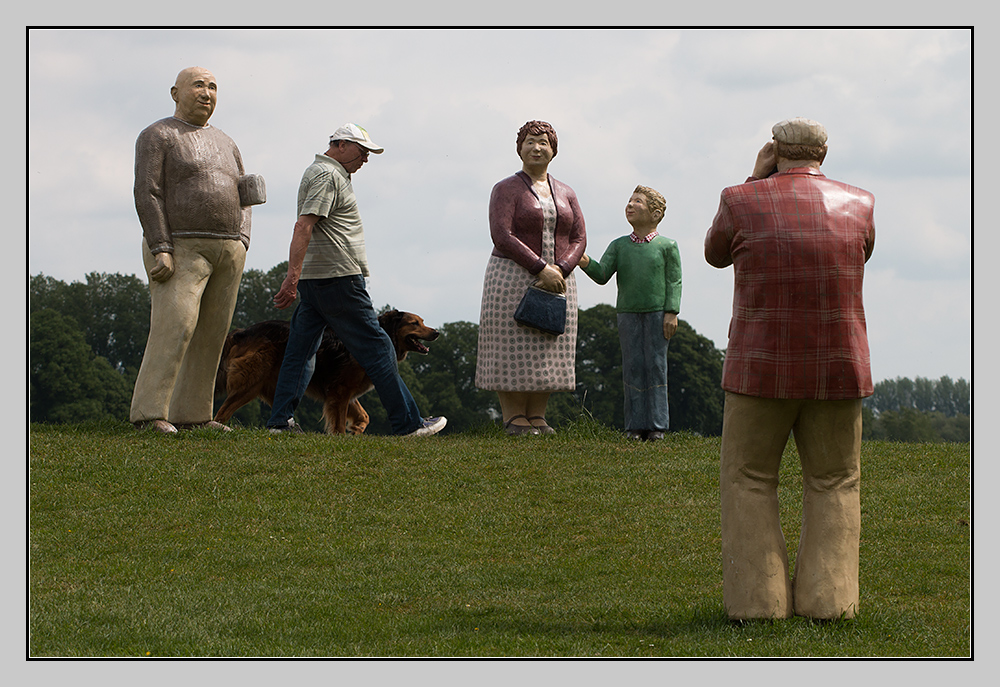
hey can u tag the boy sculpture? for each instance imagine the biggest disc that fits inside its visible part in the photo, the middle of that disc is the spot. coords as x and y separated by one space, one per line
649 298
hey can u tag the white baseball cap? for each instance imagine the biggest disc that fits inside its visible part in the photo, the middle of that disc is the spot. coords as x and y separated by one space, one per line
357 134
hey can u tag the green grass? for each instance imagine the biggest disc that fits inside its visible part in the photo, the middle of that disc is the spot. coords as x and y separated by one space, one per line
578 544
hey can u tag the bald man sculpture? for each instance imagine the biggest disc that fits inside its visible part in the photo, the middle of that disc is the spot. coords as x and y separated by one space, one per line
193 201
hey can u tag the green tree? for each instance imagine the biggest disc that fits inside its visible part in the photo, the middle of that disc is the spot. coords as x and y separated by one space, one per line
255 302
67 382
956 428
904 391
944 395
907 424
918 410
885 397
112 311
868 422
599 365
963 397
694 380
923 394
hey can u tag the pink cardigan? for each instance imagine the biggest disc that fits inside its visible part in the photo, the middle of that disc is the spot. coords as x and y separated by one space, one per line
516 224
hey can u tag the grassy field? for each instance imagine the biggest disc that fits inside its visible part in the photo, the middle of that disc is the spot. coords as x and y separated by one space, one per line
579 544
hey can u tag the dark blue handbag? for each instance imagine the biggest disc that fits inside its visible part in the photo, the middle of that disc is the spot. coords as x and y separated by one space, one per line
542 310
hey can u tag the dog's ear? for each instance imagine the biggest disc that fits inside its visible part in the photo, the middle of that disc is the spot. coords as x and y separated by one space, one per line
390 321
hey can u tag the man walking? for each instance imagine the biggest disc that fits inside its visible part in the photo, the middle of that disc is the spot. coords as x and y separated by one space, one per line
797 362
327 266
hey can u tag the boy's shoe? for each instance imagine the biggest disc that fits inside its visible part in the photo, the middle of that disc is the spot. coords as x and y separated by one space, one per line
290 427
431 425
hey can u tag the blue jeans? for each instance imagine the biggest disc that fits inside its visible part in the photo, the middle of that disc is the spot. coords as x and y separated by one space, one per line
343 304
644 371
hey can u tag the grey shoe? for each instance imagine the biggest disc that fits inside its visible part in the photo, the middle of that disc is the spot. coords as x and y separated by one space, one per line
431 425
291 427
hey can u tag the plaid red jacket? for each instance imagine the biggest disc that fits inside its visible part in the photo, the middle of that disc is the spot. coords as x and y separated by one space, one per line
798 243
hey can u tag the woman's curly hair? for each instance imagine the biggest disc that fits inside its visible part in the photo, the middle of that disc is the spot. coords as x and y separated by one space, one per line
537 128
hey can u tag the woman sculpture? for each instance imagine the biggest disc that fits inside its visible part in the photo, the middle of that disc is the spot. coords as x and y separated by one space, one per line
538 236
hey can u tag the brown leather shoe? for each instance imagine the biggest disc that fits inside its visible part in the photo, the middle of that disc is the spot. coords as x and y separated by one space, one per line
539 423
517 430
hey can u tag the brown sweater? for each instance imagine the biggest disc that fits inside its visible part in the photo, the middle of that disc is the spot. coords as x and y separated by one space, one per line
186 185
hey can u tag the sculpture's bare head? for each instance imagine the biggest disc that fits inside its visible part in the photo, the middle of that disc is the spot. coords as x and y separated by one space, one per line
195 93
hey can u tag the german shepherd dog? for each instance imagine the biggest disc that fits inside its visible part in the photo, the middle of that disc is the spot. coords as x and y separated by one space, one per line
251 360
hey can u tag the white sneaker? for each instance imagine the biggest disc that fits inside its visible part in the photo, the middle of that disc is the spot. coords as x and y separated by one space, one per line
432 425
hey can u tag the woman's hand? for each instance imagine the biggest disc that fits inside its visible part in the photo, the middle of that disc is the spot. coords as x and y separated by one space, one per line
551 279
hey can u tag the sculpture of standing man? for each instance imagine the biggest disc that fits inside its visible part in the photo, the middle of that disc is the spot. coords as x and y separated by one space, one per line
797 363
193 201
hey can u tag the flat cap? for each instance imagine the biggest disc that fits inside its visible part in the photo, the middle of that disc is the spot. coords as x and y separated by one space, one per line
799 131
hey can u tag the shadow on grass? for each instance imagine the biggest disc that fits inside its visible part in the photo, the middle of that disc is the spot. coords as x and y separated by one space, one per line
703 631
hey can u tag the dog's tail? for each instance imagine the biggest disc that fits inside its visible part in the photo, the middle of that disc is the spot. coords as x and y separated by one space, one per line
220 376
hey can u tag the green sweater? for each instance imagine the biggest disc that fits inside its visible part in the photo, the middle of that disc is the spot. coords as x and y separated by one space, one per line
649 274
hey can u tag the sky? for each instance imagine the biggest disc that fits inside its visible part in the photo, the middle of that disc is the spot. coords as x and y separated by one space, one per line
682 111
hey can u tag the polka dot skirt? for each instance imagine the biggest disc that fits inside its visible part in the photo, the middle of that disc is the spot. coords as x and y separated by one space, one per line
513 357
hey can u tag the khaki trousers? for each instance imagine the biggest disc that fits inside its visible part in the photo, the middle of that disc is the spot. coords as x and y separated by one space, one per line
754 557
190 314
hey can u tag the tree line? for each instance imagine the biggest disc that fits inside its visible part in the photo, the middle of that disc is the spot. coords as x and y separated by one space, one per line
87 338
920 409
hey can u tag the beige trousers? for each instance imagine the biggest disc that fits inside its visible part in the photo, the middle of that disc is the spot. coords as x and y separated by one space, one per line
754 556
190 314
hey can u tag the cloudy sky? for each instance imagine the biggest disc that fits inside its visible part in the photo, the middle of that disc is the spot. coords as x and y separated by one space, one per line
683 111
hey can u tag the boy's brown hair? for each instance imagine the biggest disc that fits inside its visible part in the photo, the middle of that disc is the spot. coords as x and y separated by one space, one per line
654 200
